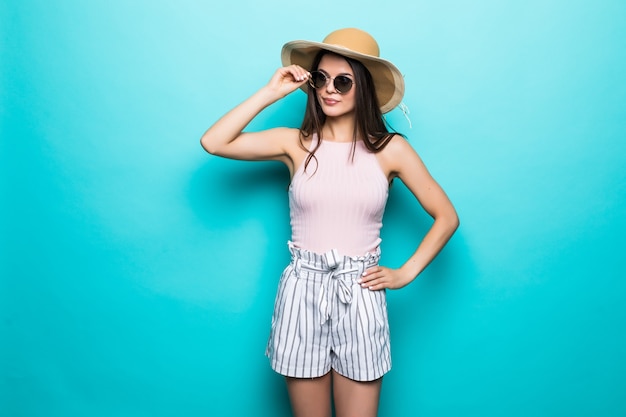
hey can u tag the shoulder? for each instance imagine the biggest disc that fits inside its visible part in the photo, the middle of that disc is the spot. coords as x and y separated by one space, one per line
398 145
282 138
294 145
291 138
397 156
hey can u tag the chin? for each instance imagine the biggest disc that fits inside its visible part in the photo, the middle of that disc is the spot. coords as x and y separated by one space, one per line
334 111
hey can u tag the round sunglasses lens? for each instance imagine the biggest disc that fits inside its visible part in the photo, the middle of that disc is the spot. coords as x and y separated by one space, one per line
343 84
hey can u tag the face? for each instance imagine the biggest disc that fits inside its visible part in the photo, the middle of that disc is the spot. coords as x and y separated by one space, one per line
333 103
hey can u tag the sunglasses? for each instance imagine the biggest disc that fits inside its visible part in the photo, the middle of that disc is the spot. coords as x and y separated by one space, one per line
342 83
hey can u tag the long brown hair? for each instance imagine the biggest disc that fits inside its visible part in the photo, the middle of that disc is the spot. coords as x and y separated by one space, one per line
370 124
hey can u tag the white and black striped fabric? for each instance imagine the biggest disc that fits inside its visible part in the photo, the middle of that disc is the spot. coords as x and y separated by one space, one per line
324 319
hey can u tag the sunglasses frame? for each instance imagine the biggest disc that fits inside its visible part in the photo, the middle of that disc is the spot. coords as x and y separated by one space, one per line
328 78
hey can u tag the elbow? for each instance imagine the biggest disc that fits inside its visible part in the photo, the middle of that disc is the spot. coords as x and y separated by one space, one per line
455 223
207 145
450 222
453 219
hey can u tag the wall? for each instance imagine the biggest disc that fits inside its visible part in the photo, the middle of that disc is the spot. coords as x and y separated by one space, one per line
138 272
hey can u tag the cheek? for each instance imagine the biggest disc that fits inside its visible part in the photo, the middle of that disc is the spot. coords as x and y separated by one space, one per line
350 98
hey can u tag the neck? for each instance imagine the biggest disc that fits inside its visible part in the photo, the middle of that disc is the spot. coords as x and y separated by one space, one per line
338 129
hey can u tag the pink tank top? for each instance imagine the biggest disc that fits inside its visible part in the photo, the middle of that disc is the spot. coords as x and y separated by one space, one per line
340 204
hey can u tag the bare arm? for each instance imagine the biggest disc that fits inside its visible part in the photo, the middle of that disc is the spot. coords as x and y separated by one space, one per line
226 138
401 161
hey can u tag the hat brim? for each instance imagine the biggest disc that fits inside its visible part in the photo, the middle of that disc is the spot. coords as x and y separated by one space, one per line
388 80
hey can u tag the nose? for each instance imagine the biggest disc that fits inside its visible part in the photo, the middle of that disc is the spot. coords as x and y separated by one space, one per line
330 85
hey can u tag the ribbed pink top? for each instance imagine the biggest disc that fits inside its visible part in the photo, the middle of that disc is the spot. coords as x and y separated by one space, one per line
340 204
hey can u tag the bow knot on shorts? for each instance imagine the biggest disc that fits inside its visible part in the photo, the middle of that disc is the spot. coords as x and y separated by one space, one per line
337 278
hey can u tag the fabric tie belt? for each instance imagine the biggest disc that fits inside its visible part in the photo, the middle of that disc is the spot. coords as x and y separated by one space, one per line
339 274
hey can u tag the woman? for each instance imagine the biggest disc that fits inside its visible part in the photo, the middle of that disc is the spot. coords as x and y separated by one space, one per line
330 317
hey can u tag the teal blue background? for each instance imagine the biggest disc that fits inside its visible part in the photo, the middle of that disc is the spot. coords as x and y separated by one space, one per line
138 272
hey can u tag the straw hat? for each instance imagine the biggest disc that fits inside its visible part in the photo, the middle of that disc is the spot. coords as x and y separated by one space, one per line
359 45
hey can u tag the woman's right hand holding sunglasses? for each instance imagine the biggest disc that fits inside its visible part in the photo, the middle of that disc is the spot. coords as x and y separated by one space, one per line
288 79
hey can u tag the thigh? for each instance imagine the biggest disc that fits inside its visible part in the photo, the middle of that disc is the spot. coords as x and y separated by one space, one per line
310 397
356 398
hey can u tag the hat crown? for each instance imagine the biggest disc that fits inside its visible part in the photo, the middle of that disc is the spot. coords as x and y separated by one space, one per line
354 39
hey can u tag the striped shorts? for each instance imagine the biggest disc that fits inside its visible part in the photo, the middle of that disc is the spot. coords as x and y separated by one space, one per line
324 319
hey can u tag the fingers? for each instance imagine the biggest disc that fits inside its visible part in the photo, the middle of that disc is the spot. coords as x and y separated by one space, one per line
288 79
380 277
298 73
293 73
375 278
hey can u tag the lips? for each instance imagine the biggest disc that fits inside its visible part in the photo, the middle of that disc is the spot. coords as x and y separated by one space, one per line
330 101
